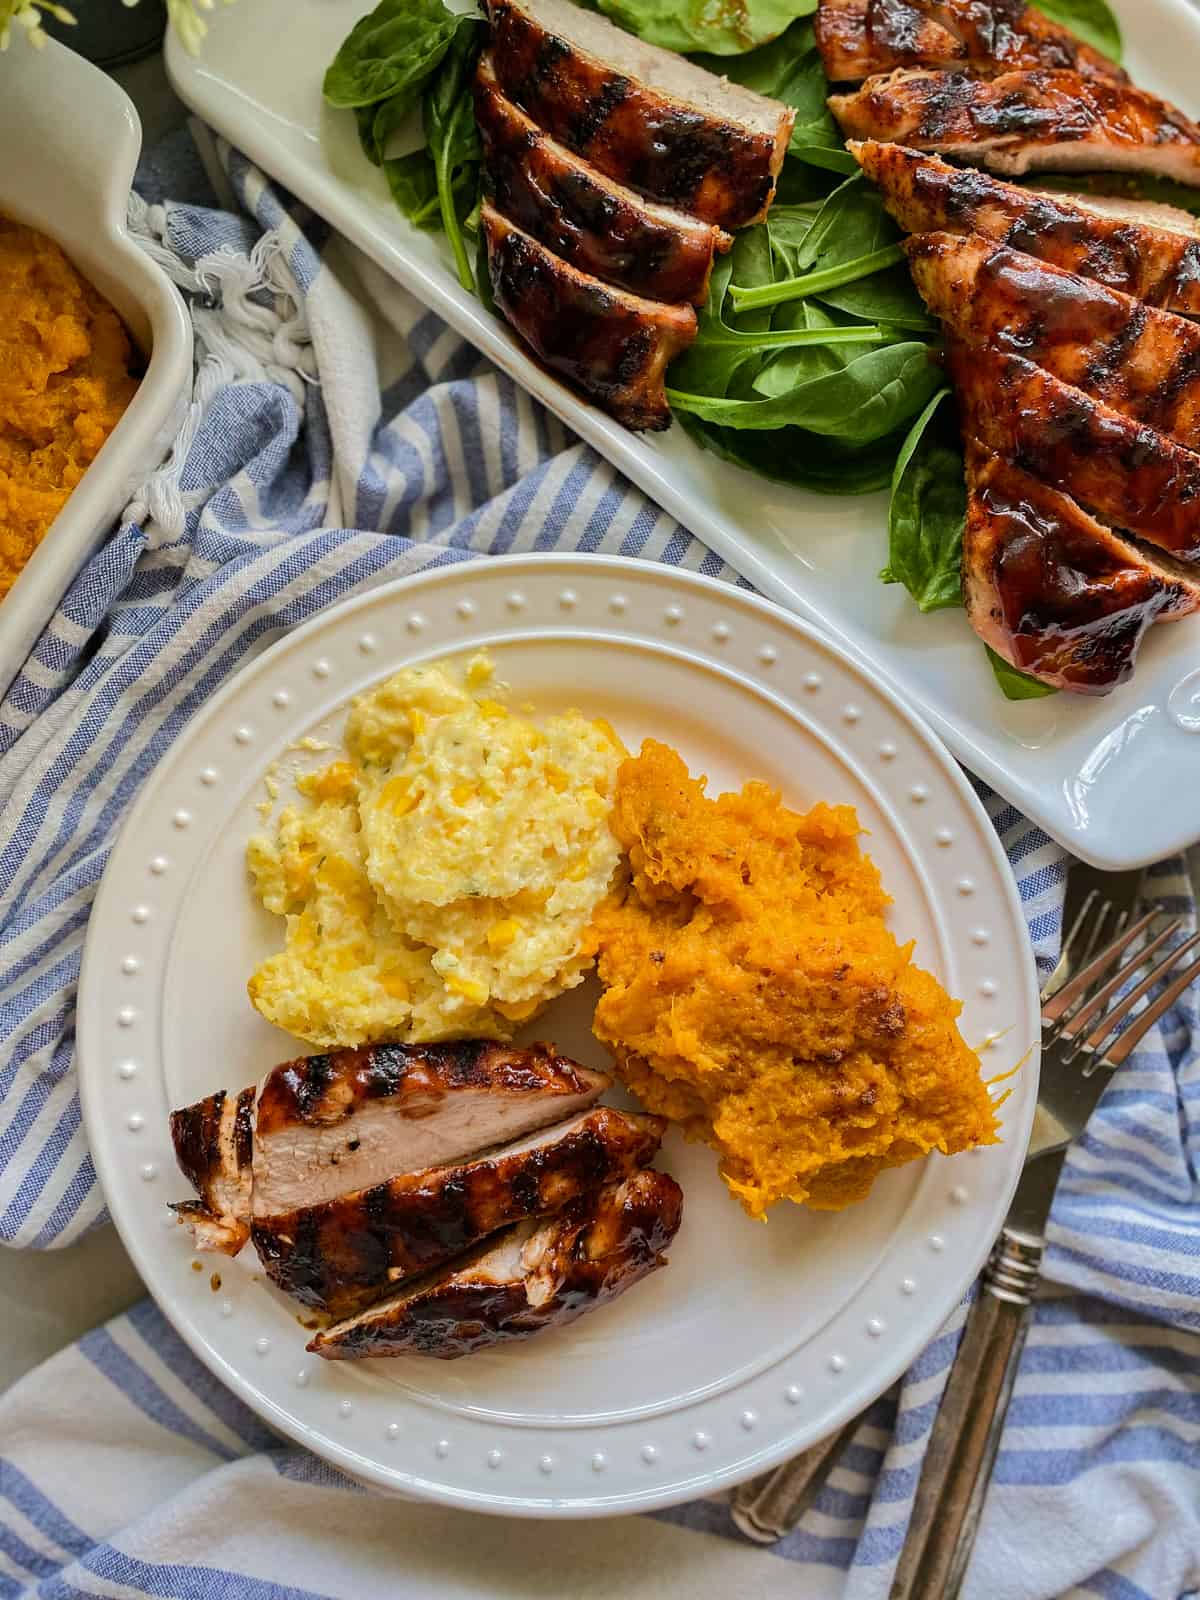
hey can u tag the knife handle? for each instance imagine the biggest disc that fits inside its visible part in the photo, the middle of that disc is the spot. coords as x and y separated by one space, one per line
966 1431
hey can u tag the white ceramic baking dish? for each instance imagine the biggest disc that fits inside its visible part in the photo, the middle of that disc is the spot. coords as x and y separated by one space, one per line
69 143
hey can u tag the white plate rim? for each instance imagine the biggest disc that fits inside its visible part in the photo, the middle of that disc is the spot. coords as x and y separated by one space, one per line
101 1111
1103 841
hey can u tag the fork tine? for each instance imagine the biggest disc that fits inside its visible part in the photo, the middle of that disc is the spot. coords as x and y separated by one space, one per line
1072 1021
1066 963
1094 933
1145 1020
1082 981
1106 1028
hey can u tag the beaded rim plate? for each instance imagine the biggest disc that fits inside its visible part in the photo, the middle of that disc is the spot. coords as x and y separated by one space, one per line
756 1340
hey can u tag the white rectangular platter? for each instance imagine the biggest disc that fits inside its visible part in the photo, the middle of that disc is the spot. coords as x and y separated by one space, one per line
1115 780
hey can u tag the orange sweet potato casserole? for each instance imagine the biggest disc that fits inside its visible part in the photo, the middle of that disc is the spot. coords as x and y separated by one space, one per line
64 382
754 994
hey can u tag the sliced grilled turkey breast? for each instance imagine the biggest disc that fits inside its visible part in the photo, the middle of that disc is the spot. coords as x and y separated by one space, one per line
329 1124
647 117
1025 121
1051 590
611 345
1142 362
533 1276
339 1254
214 1145
857 38
597 225
1125 473
1149 251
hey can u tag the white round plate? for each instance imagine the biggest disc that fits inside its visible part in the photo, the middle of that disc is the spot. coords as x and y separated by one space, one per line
757 1340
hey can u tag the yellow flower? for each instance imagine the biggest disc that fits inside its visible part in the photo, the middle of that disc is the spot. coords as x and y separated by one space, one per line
184 14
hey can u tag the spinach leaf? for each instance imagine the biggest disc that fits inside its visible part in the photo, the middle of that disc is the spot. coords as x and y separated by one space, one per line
723 30
889 297
1017 685
392 51
806 460
721 351
451 136
927 513
413 182
851 237
851 223
833 158
377 123
786 369
1092 20
859 403
410 52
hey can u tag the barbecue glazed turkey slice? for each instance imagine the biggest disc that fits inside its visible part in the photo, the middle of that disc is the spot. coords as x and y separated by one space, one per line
1146 250
1142 362
647 117
1123 472
214 1145
857 38
584 217
534 1276
340 1254
329 1124
1025 122
611 345
1052 591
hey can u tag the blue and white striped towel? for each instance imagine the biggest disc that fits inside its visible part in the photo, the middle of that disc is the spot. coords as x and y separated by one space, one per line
326 399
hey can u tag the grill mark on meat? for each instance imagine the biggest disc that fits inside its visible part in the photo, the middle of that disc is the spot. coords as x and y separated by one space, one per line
1051 590
584 218
212 1141
858 38
1104 370
324 1089
299 1140
244 1128
1152 263
710 165
195 1134
594 1250
613 346
1124 472
1141 361
348 1250
595 114
1022 120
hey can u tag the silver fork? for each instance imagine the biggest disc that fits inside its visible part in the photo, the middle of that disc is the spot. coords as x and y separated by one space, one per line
1081 1033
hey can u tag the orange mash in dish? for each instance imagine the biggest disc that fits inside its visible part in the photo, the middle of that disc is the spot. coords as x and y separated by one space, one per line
64 384
754 994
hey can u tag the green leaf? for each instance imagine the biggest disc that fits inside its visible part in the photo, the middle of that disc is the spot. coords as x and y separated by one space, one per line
451 136
1017 685
391 51
412 180
833 158
722 29
889 297
805 460
1092 20
483 276
377 124
860 402
851 223
927 513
